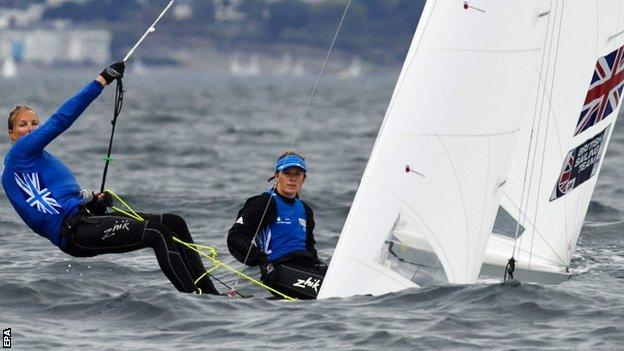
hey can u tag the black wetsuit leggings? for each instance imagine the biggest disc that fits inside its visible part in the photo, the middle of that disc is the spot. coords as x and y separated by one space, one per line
290 274
89 236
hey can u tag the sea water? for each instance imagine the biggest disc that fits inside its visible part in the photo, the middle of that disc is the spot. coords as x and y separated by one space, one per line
198 144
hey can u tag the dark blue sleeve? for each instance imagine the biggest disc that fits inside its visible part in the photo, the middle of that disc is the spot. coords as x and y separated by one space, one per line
32 145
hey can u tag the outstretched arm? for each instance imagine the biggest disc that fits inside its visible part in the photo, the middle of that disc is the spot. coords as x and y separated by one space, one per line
33 144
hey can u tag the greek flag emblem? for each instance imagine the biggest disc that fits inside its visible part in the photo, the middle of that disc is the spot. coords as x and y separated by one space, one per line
37 195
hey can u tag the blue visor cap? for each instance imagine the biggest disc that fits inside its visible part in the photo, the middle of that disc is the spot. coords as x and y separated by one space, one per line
290 161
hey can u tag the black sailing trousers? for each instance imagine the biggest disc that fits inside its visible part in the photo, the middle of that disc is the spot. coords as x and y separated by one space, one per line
89 236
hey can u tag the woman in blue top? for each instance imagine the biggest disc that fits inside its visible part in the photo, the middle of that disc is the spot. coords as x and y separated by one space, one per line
275 231
46 195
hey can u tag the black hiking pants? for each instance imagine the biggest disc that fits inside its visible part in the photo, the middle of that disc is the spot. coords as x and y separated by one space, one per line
88 236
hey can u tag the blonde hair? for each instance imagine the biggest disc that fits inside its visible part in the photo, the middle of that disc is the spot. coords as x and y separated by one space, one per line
16 111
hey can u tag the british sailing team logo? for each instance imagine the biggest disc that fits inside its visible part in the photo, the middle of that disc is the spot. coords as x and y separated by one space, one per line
37 195
580 164
604 91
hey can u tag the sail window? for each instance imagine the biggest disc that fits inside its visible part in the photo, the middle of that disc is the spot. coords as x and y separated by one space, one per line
420 265
505 224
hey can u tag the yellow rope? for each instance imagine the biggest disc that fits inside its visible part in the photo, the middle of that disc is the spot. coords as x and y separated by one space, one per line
218 263
212 255
132 214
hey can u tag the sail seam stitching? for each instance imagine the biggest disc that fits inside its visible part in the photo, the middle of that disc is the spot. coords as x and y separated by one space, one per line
458 186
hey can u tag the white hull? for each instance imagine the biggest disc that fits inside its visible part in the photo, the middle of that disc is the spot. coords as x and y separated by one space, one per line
489 271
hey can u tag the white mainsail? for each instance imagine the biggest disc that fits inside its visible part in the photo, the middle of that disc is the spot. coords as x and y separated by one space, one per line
454 117
558 155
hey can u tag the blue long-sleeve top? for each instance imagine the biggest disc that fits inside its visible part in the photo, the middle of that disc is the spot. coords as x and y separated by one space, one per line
40 187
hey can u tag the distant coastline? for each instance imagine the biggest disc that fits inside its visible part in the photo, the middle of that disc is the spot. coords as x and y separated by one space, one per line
197 33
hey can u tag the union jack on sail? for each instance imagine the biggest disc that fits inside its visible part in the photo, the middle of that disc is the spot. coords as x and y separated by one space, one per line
604 91
37 195
566 182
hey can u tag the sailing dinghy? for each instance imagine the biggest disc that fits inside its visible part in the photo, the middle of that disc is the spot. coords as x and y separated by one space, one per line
486 86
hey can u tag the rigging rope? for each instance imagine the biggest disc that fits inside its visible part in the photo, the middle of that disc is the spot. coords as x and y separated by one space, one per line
149 30
118 105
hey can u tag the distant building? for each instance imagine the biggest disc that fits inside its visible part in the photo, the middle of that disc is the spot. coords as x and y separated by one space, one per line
24 37
15 17
48 46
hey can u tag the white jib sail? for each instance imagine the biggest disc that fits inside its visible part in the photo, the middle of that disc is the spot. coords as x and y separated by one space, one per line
559 151
453 117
